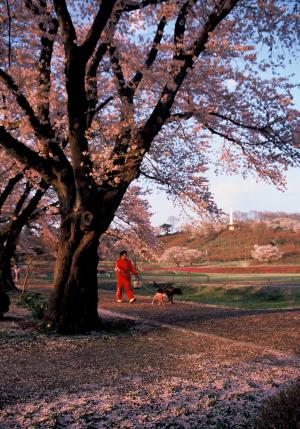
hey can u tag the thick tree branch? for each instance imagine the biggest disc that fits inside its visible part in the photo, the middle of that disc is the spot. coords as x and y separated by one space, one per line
179 30
28 211
22 199
104 14
26 156
9 188
91 80
123 90
65 22
12 230
23 103
44 69
43 132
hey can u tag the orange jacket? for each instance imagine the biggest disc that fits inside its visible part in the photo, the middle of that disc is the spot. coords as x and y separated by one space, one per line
123 269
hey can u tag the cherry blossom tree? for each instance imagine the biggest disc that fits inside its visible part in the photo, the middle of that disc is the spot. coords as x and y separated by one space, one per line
96 95
192 255
174 255
266 253
181 255
19 199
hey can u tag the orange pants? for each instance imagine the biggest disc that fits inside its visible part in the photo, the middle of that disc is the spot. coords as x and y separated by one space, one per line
124 283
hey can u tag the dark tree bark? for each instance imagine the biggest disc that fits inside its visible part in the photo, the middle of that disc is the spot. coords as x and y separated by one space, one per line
7 251
4 303
73 304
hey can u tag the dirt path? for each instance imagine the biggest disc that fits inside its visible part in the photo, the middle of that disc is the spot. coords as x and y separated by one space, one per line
183 366
271 329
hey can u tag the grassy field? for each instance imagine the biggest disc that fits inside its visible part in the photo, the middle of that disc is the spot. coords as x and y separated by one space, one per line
243 296
257 291
214 278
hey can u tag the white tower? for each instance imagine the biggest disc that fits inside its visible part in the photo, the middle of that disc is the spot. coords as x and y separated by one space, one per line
231 224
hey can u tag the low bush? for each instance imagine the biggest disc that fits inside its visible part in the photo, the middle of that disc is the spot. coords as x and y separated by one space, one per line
36 302
281 411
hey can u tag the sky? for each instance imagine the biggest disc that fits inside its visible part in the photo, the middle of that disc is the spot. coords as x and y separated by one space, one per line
238 194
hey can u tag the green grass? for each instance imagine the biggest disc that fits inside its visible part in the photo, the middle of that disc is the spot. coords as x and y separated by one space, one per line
242 296
256 297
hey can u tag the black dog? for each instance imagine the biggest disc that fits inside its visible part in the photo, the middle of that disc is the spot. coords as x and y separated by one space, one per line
168 290
4 303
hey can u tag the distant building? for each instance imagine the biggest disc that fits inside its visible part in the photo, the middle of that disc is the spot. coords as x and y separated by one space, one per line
231 225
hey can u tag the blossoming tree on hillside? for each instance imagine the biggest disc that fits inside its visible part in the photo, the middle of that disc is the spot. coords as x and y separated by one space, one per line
181 255
173 254
266 253
98 94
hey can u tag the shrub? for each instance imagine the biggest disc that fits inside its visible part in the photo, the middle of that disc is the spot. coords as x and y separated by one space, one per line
281 411
36 302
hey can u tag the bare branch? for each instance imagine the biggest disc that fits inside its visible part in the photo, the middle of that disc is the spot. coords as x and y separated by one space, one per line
151 56
262 129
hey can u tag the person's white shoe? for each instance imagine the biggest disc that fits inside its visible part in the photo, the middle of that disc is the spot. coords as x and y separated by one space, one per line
119 300
132 300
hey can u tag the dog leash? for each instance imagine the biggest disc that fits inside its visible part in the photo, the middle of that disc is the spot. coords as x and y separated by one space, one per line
147 288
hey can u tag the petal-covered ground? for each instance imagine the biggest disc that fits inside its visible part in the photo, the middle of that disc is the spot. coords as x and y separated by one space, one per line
181 366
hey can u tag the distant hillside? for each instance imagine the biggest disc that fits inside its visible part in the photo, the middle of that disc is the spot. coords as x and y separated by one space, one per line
223 245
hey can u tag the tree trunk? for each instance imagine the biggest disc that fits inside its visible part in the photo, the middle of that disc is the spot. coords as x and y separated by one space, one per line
7 250
73 304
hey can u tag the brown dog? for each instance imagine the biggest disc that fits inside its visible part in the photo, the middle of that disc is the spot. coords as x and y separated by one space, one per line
159 297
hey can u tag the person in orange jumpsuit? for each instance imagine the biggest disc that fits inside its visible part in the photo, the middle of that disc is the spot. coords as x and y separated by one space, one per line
123 268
